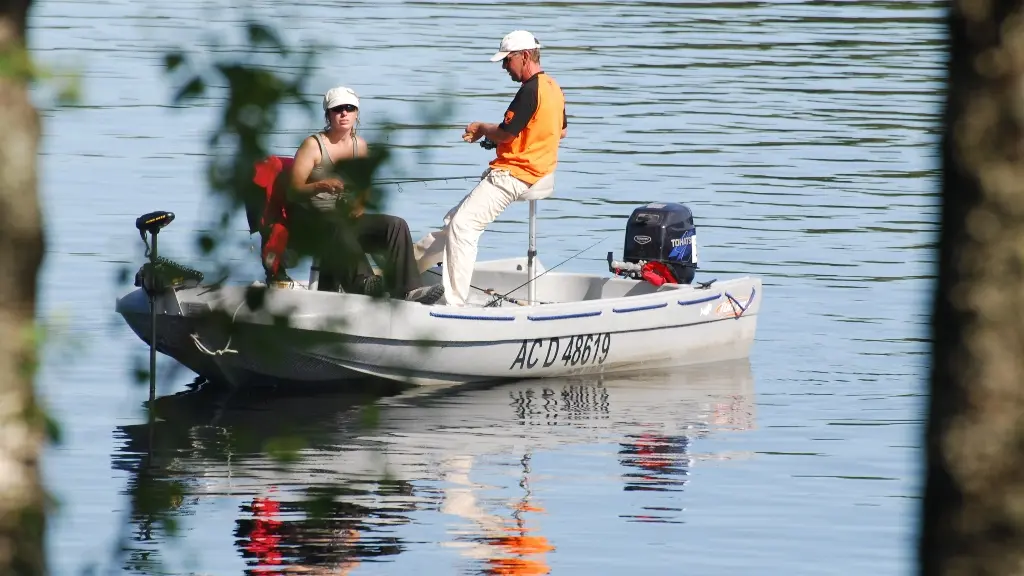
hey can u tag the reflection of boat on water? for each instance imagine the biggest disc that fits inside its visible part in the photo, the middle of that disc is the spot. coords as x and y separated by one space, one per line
275 536
661 462
210 443
422 456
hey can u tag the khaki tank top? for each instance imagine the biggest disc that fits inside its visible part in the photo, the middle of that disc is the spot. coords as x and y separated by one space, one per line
323 170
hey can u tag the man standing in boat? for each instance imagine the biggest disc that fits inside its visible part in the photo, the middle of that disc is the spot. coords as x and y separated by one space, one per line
527 150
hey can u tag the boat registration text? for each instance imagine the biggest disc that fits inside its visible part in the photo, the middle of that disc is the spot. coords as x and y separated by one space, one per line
576 350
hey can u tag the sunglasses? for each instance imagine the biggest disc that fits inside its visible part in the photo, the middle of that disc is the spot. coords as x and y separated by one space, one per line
344 108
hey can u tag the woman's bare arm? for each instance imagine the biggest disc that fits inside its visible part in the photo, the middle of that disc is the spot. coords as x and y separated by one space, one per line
305 159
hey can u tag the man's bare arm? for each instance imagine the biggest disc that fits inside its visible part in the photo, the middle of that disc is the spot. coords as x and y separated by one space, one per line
492 132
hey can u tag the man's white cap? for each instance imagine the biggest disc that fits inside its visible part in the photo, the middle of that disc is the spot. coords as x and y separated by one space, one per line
515 41
340 95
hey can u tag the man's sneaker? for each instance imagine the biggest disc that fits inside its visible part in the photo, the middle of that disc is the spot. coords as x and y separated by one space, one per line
374 286
426 294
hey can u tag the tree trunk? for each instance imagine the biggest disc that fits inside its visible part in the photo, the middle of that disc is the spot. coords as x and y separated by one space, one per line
973 521
22 429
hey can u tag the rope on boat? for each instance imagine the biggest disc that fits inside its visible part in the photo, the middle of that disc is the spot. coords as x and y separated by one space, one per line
226 349
734 302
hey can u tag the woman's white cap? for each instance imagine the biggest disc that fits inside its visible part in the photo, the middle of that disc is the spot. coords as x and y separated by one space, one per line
340 95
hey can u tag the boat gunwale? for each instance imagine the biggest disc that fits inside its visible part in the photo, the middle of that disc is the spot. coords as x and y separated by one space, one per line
428 342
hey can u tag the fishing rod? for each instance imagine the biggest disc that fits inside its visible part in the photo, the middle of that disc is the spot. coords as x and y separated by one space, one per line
505 295
486 144
437 179
491 292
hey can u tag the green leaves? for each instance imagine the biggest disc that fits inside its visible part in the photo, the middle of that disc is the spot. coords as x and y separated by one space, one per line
193 89
260 35
248 86
254 297
172 60
206 243
285 449
16 62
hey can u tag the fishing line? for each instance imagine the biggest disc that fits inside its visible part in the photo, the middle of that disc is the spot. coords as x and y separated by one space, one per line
505 295
437 179
490 292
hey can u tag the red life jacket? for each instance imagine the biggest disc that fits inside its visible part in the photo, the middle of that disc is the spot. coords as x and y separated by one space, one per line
273 223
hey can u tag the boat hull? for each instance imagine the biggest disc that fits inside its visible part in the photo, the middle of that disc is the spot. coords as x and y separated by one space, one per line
622 326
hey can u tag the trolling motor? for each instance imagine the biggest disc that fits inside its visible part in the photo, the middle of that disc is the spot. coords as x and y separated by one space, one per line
660 245
148 278
151 223
158 275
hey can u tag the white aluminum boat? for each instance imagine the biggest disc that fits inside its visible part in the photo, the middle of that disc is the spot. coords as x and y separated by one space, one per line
524 321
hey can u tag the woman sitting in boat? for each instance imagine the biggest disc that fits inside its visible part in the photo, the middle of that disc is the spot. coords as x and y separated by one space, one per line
341 232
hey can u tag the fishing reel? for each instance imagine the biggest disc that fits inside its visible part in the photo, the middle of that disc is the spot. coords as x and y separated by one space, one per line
488 144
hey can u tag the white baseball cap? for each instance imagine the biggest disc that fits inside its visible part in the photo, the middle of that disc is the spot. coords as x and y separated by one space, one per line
340 95
515 41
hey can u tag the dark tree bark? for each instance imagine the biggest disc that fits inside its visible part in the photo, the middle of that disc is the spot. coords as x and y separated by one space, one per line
22 429
973 516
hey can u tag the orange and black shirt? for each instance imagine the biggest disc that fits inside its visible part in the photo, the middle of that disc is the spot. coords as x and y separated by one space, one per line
536 118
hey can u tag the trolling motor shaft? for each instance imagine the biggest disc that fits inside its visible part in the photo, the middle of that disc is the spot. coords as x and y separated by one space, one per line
159 274
148 278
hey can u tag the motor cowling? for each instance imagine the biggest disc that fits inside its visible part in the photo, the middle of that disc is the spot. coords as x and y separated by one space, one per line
661 235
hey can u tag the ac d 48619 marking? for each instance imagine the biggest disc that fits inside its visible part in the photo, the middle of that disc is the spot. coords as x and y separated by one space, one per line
579 350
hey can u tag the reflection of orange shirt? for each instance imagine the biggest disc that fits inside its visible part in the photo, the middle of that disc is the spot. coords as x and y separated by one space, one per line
535 117
521 545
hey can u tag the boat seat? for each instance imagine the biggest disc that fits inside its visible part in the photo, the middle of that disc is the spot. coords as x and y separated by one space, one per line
540 190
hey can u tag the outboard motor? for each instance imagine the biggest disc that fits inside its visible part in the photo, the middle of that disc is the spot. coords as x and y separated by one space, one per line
660 245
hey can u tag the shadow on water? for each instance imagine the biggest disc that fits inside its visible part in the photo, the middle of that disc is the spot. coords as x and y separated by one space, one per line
319 487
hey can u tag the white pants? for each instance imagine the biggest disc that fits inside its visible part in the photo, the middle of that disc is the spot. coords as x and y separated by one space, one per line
463 225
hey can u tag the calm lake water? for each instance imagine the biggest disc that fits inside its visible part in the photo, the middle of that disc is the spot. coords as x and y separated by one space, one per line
802 135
